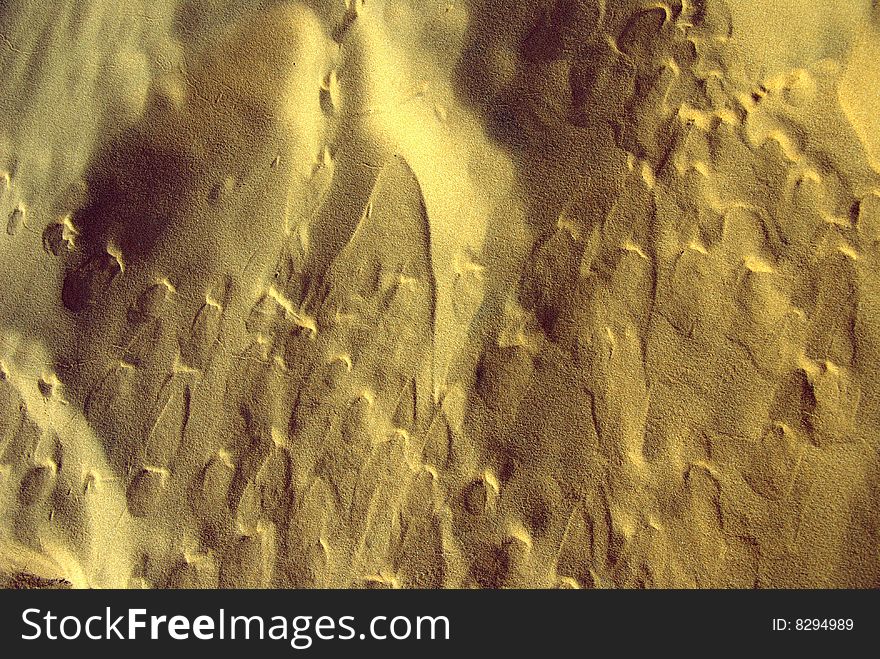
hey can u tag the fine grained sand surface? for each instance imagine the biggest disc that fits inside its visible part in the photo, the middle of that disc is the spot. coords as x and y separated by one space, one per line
439 293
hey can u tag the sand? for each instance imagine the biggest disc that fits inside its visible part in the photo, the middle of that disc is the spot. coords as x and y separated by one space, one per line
439 293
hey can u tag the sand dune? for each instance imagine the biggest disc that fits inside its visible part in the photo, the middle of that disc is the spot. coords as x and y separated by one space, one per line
454 293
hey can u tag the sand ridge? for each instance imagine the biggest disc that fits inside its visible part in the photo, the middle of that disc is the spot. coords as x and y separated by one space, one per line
393 293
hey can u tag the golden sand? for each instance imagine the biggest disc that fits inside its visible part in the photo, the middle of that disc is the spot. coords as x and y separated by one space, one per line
439 293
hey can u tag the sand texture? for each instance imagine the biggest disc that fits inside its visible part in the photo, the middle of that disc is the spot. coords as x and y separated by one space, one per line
439 293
